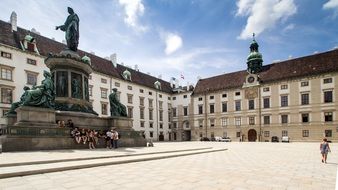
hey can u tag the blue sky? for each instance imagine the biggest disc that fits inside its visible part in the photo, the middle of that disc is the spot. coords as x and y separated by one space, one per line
189 37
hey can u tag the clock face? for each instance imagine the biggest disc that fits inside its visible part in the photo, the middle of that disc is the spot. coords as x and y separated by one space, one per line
251 79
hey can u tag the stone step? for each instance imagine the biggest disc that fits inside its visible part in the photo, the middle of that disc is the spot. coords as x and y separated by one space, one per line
96 157
24 170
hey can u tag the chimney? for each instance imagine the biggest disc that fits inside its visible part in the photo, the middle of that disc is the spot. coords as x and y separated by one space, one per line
64 41
35 31
93 53
136 68
13 20
159 77
113 59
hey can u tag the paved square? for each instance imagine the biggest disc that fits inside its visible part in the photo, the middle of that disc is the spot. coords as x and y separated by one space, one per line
243 166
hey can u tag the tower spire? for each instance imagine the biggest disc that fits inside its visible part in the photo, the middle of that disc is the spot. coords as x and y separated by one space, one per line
254 60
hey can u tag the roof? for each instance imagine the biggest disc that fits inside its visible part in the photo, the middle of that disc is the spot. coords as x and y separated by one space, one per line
46 45
294 68
144 79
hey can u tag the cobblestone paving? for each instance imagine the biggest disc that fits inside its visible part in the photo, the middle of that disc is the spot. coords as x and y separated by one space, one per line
243 166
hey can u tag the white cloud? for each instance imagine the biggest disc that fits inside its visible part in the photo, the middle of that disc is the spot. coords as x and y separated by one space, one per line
331 4
173 42
133 10
263 14
244 7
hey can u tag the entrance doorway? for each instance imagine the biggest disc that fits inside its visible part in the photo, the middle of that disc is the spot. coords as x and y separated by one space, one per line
186 136
161 137
252 135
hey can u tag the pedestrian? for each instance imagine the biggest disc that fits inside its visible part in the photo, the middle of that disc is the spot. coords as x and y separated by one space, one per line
108 139
324 149
91 139
115 138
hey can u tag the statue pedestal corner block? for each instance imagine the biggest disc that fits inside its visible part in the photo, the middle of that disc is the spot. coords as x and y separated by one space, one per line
35 117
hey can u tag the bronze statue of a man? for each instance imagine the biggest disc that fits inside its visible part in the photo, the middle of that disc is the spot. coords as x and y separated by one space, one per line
71 27
116 108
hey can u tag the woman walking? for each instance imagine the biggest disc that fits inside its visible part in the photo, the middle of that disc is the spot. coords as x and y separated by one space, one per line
324 150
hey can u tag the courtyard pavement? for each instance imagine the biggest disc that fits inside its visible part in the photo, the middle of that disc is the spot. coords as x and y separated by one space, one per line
242 166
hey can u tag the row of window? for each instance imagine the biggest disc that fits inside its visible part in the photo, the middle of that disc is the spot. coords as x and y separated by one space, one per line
305 133
267 89
7 74
328 117
9 56
284 102
185 111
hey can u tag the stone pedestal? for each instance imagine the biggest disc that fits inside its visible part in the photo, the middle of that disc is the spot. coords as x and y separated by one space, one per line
70 76
35 117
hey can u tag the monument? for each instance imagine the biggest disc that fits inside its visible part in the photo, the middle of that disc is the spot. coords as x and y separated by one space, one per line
62 96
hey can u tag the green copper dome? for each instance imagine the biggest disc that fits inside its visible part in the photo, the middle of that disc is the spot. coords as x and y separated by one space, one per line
254 56
29 38
86 59
255 59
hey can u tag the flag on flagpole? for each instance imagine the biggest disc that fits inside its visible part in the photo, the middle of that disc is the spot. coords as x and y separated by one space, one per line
182 77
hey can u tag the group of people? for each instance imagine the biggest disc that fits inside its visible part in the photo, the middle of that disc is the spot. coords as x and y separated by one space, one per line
69 124
92 137
86 135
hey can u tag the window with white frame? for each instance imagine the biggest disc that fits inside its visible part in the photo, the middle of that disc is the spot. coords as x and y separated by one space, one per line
224 122
266 133
305 99
284 133
304 83
6 55
141 113
32 78
224 107
104 108
328 116
266 120
284 86
238 121
305 118
212 122
251 120
6 95
104 92
6 73
284 101
284 119
130 98
212 108
306 133
328 96
238 105
200 123
327 80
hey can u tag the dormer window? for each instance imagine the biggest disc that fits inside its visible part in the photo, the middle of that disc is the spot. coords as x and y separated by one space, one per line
157 85
126 75
29 44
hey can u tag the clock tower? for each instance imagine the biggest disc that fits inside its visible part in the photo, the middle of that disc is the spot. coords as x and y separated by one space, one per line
254 62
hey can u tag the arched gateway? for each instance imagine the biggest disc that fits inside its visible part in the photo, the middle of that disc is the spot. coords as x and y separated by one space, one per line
252 135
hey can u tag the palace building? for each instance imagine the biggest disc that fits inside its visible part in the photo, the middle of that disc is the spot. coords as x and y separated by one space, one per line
294 98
